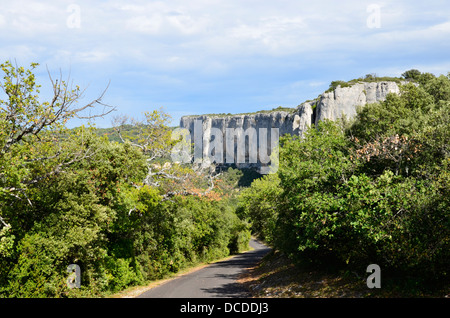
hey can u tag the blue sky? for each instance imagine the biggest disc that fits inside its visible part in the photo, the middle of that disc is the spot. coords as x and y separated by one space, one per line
221 56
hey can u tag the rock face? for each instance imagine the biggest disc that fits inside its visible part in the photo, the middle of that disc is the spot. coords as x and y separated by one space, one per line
269 125
343 100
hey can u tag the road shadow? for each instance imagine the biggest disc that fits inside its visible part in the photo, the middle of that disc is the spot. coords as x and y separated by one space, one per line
238 265
220 279
231 290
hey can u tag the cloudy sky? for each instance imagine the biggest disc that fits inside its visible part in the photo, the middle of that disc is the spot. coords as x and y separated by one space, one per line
221 56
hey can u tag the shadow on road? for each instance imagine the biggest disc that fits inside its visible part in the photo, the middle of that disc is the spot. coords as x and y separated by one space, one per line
241 263
216 280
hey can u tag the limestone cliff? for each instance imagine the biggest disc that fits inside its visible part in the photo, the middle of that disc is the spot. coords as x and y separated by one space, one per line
329 105
343 100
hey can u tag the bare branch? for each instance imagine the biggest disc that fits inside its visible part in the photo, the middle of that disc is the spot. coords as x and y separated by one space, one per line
26 116
2 220
92 104
185 192
11 189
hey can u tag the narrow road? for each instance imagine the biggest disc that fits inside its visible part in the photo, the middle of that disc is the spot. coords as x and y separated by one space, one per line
216 280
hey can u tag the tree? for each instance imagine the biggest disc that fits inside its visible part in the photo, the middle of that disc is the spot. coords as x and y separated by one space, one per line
120 210
402 114
154 139
412 74
32 133
311 170
23 115
259 204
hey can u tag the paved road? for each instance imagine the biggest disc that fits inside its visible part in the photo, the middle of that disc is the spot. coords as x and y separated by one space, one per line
215 280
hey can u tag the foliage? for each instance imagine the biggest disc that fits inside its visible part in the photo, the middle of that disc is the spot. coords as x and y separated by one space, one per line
375 191
115 209
412 74
335 84
369 78
309 217
258 205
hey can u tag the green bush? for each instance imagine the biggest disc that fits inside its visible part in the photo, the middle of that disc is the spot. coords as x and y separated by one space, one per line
335 84
258 205
120 235
376 192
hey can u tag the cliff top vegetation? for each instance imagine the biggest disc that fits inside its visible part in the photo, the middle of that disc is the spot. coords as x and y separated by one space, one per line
412 75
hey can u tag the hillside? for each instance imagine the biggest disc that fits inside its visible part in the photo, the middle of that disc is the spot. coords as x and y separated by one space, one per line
278 277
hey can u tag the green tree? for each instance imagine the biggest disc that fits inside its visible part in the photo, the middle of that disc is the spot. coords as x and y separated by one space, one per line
120 211
310 171
412 74
376 193
32 133
401 114
259 204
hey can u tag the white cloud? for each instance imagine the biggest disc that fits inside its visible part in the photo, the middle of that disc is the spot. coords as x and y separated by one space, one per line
2 21
187 24
274 33
145 24
26 18
162 18
440 28
94 55
187 48
20 52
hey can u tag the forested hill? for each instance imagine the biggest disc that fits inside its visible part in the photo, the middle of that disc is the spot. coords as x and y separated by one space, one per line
112 135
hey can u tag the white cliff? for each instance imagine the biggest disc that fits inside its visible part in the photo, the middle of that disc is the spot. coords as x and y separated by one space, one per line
344 100
329 105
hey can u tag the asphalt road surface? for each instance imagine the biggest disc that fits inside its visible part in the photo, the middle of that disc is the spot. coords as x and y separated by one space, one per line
216 280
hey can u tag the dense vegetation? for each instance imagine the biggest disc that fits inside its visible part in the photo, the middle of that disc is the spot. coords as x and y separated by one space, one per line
347 194
122 211
373 190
